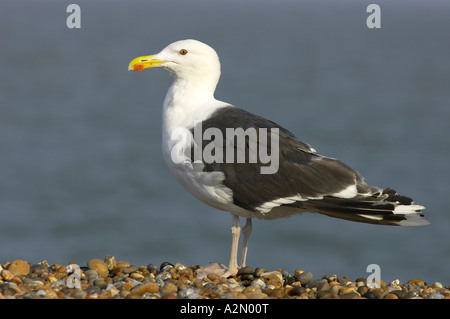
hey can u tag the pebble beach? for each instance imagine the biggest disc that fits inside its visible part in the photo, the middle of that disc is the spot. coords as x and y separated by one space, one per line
110 279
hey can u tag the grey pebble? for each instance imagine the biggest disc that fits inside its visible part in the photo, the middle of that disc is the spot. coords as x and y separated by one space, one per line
399 293
91 274
259 271
159 282
128 269
101 283
110 286
209 285
119 283
325 294
297 291
80 295
248 277
304 278
258 282
370 295
189 293
152 268
330 278
340 280
245 271
435 295
289 280
163 276
92 290
165 265
58 283
39 269
316 283
411 294
33 283
121 278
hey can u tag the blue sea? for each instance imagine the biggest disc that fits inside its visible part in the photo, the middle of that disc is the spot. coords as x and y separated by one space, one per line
81 170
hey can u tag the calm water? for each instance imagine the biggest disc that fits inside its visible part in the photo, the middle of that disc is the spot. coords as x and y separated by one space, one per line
81 170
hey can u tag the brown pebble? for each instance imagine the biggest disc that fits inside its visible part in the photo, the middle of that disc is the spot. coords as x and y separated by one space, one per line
346 290
377 291
51 279
221 288
169 296
169 288
333 283
277 294
51 294
17 280
297 291
391 296
128 269
298 272
110 262
127 286
198 283
256 295
416 282
251 289
176 276
124 294
142 289
60 272
324 286
7 275
273 277
213 277
259 271
99 266
326 294
121 264
335 289
137 276
350 295
19 268
100 282
362 290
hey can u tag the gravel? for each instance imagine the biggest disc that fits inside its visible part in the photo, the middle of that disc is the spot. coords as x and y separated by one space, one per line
108 279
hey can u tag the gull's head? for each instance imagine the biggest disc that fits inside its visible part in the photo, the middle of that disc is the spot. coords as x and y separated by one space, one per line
185 59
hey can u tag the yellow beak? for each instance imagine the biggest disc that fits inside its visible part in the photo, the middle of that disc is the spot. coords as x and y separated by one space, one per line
144 62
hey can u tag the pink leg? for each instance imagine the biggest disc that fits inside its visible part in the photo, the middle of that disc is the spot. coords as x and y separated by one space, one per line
220 269
247 229
235 232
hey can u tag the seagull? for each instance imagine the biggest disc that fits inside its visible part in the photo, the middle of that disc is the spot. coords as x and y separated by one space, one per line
220 154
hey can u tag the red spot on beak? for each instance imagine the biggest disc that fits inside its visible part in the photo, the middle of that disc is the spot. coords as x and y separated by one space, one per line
138 67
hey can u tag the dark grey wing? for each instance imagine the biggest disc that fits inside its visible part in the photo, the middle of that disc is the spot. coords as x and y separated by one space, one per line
301 172
303 180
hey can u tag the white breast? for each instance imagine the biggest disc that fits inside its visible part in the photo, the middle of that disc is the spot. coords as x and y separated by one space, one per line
180 112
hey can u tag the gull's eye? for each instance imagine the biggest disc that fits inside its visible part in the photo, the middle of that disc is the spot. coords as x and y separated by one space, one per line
183 52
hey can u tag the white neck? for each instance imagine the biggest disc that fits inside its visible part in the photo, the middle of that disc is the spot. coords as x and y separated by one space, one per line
187 102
